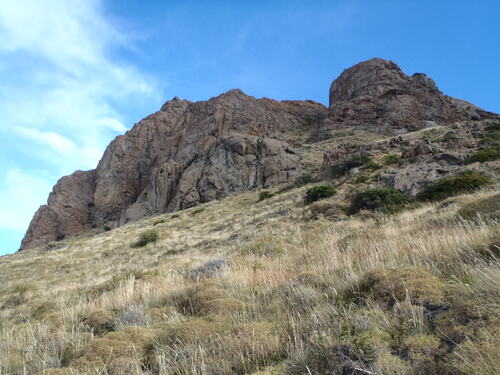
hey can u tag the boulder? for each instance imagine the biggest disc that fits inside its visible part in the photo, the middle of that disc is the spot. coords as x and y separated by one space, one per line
412 178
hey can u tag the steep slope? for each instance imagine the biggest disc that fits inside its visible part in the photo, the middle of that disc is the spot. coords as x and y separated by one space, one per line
242 287
191 153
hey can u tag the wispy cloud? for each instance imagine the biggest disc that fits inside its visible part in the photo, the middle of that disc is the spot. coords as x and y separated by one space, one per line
65 75
20 196
59 143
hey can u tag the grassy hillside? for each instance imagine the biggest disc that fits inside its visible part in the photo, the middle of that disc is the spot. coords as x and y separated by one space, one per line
239 286
262 283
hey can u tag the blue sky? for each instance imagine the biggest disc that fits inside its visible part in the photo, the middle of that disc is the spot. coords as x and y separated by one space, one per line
76 73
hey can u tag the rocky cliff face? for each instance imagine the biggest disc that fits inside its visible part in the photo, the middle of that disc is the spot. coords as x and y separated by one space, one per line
185 154
189 153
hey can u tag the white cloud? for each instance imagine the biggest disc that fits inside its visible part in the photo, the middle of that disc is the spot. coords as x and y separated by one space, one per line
113 124
65 71
58 74
59 143
20 197
63 31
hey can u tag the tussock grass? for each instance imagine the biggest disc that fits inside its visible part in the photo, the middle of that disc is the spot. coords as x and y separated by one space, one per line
407 293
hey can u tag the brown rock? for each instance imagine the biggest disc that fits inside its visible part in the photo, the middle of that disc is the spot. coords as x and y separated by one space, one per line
67 210
190 153
378 95
186 154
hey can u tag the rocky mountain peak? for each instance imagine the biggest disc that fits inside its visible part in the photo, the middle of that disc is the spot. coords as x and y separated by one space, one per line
376 94
368 78
189 153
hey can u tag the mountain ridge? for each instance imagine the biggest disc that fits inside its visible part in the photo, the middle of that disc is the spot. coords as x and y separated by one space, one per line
194 152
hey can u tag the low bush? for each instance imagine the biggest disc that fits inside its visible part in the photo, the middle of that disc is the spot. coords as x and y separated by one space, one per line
465 182
41 310
421 351
478 357
371 165
145 238
485 154
386 200
18 295
267 246
265 195
318 192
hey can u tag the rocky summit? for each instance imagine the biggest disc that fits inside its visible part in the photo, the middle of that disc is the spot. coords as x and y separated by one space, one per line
190 153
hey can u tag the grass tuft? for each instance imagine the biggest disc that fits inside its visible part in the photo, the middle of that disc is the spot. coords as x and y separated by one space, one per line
146 238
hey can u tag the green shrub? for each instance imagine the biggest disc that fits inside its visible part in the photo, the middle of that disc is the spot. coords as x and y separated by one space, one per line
318 192
265 195
390 159
344 166
387 200
465 182
159 221
106 228
145 238
485 154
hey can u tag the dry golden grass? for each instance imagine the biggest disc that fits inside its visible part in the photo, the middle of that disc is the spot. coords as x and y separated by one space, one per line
413 293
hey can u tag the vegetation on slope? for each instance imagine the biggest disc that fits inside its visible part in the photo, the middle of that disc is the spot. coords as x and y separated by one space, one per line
264 284
466 181
413 293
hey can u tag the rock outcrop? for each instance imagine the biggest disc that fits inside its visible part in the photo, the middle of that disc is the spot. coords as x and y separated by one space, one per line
67 210
378 95
185 154
194 152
